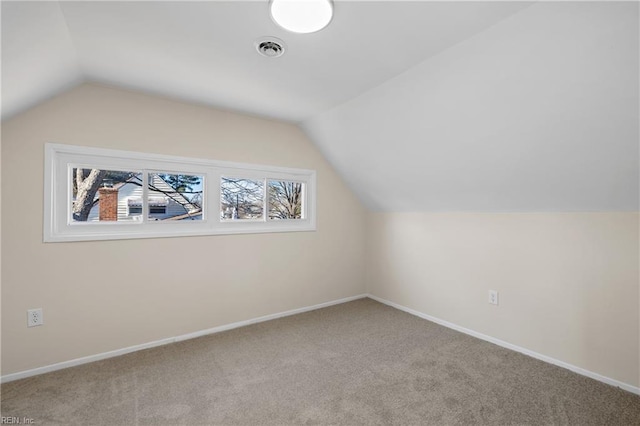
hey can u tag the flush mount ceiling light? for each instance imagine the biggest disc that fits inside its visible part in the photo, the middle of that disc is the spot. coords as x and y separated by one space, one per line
302 16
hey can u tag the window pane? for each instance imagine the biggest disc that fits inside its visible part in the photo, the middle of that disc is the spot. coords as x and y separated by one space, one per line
175 197
241 199
103 195
285 200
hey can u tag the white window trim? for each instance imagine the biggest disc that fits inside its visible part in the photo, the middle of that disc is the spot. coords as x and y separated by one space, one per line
57 226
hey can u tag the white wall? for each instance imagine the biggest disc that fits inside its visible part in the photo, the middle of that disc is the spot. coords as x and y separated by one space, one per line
106 295
568 282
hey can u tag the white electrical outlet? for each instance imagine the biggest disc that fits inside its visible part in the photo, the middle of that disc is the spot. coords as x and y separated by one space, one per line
34 317
493 297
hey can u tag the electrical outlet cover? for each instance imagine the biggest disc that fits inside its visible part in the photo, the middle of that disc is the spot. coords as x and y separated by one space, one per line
34 317
493 297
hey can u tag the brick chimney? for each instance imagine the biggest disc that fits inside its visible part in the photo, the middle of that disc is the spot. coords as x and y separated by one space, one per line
108 200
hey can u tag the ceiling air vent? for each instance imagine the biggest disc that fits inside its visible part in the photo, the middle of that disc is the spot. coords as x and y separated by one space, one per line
270 47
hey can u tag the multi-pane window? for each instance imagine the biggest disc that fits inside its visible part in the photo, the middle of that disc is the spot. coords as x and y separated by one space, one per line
117 196
94 194
260 199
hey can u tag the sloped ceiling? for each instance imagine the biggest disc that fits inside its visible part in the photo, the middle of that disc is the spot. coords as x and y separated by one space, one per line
537 113
204 51
421 106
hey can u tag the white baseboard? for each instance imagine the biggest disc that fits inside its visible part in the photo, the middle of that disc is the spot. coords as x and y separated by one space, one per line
123 351
582 371
118 352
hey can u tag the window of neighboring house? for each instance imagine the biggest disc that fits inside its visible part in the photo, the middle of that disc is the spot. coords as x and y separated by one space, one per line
155 209
134 207
105 192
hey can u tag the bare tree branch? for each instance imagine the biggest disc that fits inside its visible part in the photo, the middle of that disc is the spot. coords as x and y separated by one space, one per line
86 192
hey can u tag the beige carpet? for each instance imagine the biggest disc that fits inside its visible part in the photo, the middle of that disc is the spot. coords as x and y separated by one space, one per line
357 363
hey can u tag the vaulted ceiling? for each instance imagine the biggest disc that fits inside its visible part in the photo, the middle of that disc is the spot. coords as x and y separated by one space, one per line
436 106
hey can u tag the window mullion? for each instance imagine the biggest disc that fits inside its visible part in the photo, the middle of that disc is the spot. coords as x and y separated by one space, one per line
265 210
212 197
145 196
